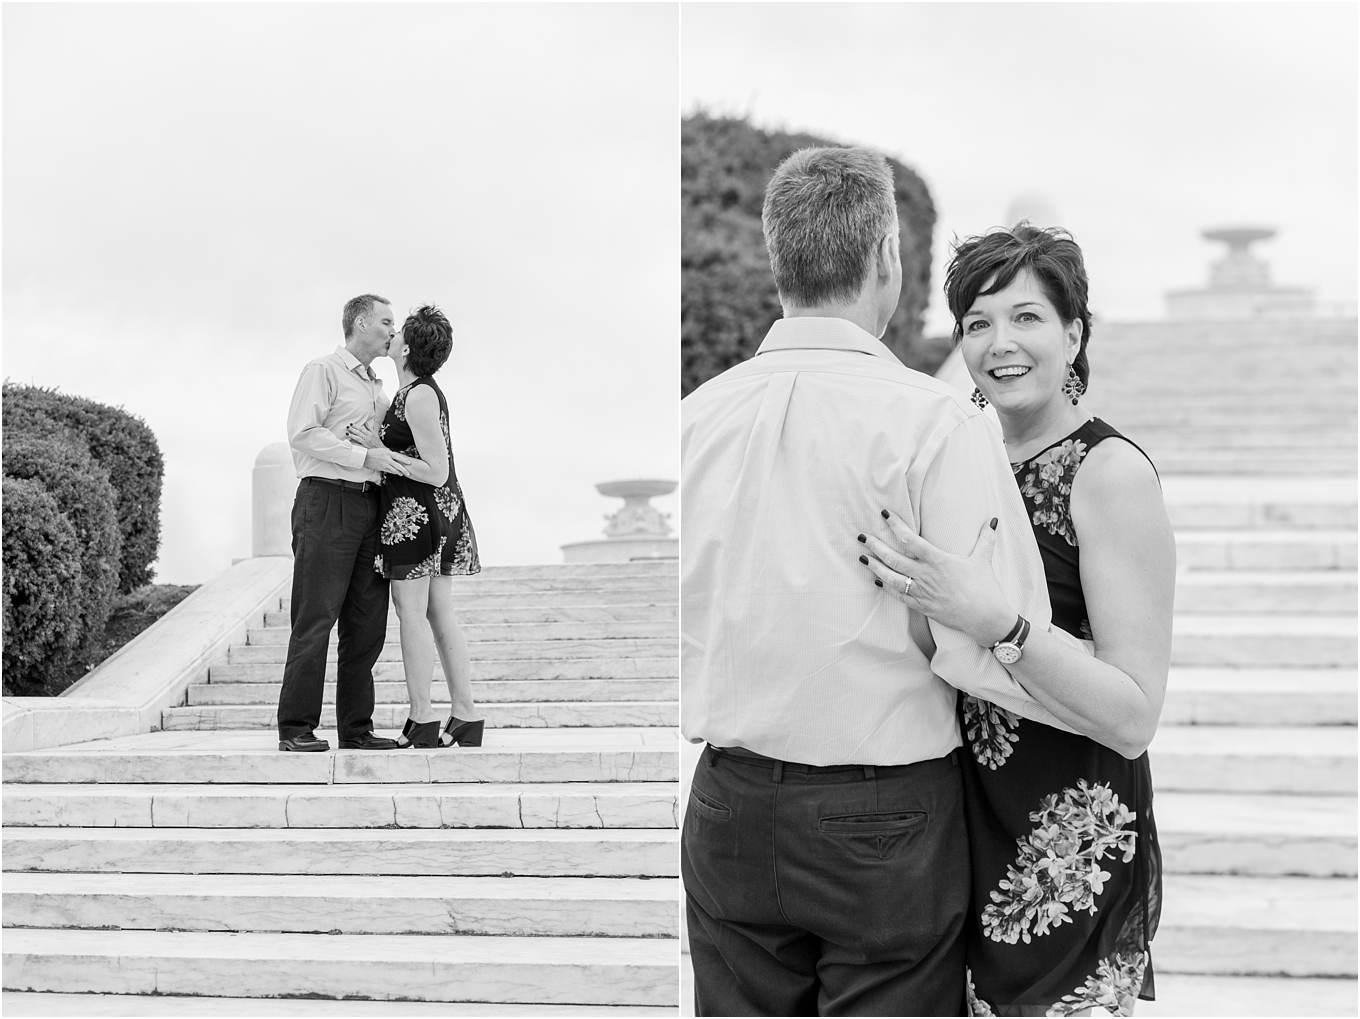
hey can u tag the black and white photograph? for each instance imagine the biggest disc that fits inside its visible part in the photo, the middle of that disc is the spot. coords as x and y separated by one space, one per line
1018 483
340 509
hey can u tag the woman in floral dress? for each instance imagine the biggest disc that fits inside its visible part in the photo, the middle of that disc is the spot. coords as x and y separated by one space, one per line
1066 866
426 537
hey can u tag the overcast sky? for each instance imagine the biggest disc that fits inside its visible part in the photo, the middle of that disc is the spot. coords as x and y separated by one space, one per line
1139 123
193 191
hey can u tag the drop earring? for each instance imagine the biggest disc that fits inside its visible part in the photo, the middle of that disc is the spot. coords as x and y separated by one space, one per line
979 401
1073 387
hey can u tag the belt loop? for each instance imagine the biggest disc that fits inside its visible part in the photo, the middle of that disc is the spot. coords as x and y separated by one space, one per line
868 771
778 774
713 756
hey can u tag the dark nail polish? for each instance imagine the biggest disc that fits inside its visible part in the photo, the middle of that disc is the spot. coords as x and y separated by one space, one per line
885 514
864 560
993 523
861 539
878 582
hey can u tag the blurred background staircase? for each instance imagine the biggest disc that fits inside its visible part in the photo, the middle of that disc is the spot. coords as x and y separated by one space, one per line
1253 428
534 875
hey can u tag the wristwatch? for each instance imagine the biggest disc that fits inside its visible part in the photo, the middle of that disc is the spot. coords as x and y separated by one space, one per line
1009 648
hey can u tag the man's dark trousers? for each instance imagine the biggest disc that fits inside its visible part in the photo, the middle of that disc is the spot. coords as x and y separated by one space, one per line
335 540
825 891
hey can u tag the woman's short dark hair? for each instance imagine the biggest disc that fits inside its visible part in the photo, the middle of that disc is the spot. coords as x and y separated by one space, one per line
988 262
429 340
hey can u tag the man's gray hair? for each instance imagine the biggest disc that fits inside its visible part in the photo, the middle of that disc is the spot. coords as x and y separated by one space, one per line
361 305
825 211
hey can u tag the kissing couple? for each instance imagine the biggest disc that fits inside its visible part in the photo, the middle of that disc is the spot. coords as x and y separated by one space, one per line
378 507
927 655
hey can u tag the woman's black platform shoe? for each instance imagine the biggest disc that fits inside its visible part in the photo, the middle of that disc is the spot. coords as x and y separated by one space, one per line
460 733
419 735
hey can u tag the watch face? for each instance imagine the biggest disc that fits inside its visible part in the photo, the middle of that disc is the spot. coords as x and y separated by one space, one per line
1006 654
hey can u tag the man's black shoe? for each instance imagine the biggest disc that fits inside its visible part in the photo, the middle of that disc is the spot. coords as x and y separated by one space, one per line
370 741
305 742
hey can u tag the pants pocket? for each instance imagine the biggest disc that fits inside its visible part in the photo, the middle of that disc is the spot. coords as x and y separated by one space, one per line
880 832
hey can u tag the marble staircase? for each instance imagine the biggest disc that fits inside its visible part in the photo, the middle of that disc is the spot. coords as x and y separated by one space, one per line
536 874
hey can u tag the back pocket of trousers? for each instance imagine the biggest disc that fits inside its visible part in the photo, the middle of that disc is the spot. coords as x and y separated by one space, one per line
881 830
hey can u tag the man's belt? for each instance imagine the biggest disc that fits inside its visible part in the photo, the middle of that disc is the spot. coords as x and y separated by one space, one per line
354 486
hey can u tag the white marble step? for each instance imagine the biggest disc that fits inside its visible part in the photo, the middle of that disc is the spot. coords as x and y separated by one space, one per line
547 970
1172 459
472 611
481 650
1221 503
484 692
359 904
1262 697
482 805
1203 758
234 757
1182 994
1295 926
34 1003
1263 640
539 852
486 633
662 667
1262 549
1312 591
621 590
1258 835
531 715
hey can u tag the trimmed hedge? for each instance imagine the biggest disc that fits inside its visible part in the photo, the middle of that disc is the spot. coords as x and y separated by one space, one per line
120 443
63 466
727 295
42 563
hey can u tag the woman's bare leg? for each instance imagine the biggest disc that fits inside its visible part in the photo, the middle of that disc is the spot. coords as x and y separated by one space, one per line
453 649
412 598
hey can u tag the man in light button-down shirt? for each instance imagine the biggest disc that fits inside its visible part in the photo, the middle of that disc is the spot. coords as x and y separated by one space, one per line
824 852
335 536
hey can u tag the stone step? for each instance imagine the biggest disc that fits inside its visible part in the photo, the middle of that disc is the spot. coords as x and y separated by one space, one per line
1249 759
483 691
1209 461
542 970
1261 549
484 633
481 650
474 612
1231 435
1182 994
540 715
361 904
538 852
530 669
235 757
1257 835
606 572
499 804
1311 591
1292 926
1225 503
624 591
1263 697
24 1003
1264 640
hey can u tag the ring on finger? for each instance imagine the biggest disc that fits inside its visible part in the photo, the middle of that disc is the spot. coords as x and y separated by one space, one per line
906 587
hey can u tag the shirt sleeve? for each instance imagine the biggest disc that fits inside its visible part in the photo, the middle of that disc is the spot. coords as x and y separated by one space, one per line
307 431
969 482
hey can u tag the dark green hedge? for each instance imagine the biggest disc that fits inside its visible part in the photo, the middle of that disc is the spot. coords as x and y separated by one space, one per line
42 580
728 298
63 466
120 443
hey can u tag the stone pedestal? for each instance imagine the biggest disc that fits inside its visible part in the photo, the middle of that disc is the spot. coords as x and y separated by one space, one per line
273 483
637 531
1239 285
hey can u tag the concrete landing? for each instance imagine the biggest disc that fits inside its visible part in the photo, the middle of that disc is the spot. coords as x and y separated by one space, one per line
19 1003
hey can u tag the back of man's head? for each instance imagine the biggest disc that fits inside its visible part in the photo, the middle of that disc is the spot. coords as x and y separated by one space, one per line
826 209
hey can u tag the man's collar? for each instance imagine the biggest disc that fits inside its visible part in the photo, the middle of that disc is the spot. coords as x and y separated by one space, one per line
822 334
352 363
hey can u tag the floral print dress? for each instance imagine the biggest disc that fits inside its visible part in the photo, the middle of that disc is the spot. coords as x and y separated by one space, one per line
426 530
1067 873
